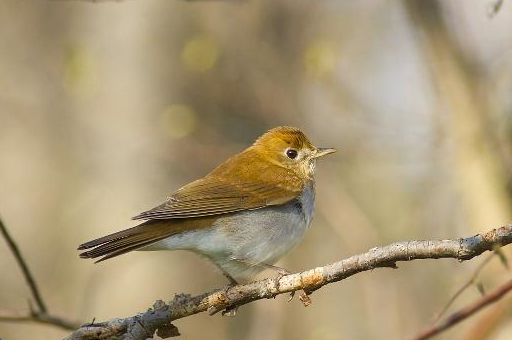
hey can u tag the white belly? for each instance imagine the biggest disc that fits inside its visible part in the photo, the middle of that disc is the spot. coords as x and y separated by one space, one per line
238 243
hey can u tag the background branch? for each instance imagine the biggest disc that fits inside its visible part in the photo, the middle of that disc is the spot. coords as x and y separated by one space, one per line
44 318
470 282
158 318
40 315
466 312
24 268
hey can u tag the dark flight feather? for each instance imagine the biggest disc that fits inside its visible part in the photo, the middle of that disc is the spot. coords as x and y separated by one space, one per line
137 237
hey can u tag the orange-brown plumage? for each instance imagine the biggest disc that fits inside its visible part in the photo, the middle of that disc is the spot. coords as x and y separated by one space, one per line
252 179
261 176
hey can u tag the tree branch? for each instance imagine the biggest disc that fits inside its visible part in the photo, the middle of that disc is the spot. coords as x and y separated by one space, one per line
466 312
158 318
24 268
41 315
461 290
44 318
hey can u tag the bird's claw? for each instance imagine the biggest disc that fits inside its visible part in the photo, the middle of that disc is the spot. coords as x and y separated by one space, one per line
305 299
230 311
290 298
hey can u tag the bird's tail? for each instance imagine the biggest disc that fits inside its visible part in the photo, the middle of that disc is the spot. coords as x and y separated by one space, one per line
127 240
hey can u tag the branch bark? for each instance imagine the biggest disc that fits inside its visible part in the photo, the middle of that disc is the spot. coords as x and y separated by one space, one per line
158 318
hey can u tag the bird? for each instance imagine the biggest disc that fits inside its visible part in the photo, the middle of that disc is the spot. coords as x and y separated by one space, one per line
243 216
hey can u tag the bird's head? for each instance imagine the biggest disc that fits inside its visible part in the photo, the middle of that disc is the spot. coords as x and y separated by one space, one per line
288 147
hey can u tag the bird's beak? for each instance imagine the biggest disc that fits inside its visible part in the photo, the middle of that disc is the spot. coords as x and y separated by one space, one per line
323 152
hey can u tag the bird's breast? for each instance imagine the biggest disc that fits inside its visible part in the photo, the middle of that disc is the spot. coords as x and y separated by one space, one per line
265 235
238 242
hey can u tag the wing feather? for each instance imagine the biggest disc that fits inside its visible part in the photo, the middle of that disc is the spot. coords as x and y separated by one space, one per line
229 189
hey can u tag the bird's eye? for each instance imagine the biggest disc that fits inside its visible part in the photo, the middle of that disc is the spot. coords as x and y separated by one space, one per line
291 153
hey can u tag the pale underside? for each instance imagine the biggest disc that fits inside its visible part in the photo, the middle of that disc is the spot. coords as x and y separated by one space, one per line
242 244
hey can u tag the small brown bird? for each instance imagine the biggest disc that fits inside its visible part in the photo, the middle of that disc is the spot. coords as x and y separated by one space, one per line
243 216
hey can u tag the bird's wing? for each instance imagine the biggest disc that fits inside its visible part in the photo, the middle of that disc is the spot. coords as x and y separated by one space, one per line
213 196
243 182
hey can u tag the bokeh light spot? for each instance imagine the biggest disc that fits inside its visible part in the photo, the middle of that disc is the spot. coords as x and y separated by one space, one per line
178 121
200 54
320 58
79 72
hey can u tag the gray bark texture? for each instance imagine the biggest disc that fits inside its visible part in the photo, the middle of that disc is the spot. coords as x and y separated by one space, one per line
158 318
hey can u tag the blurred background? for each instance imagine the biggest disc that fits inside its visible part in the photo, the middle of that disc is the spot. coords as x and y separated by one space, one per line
107 108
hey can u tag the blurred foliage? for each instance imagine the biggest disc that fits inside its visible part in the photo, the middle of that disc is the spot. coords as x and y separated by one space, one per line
200 54
79 73
320 59
179 120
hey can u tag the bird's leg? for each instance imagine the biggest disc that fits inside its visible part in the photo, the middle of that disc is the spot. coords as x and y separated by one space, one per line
232 281
304 297
230 311
280 273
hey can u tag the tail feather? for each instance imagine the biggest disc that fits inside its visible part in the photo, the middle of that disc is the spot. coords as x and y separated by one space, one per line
127 240
123 250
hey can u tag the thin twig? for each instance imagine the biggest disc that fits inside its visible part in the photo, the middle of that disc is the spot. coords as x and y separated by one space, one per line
159 317
466 312
41 315
494 8
24 269
45 318
471 280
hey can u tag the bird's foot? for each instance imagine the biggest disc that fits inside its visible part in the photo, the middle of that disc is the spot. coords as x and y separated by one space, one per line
305 299
231 310
290 298
280 273
225 311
